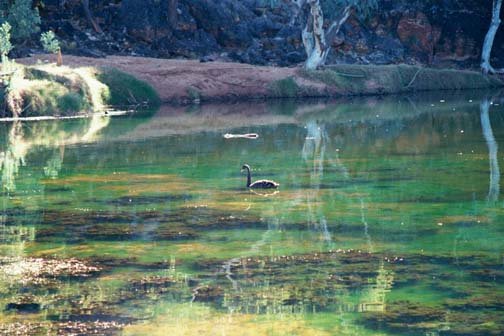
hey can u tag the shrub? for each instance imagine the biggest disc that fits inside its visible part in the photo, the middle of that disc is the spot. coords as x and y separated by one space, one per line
285 88
50 43
71 102
126 90
24 19
5 44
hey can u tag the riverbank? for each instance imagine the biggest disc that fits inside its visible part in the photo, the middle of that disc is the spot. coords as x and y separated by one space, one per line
183 81
42 89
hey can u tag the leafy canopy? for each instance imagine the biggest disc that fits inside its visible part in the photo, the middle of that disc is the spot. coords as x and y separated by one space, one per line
5 44
49 42
23 18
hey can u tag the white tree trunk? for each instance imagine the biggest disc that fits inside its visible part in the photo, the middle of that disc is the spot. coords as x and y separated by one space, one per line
315 44
314 35
486 67
494 187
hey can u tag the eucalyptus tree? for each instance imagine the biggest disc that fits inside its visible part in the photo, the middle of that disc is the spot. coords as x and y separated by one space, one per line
316 38
486 67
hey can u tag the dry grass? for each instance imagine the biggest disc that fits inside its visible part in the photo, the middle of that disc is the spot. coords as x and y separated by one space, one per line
387 79
49 90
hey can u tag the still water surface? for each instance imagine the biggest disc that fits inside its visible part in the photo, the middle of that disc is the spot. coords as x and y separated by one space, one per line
388 221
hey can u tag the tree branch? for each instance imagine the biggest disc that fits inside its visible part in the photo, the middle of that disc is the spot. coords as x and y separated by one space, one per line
89 16
336 25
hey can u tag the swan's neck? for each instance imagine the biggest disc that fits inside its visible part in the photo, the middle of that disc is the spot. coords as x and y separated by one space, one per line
249 181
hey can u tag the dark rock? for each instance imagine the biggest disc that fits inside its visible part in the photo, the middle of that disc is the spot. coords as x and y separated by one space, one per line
415 31
84 51
264 27
226 20
199 43
292 35
264 32
146 20
295 57
392 48
206 59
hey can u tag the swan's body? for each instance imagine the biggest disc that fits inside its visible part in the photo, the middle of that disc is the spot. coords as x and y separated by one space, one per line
259 184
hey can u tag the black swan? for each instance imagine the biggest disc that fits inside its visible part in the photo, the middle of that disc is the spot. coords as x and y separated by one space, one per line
260 184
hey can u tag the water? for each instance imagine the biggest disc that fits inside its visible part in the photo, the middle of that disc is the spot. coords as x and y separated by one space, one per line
388 220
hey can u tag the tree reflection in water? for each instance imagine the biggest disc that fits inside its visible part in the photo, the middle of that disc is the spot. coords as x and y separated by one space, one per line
13 156
314 151
494 187
23 138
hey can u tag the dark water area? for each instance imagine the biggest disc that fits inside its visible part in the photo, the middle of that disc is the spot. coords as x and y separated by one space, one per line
388 220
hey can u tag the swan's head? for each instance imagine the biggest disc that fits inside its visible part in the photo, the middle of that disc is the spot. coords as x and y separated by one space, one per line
245 167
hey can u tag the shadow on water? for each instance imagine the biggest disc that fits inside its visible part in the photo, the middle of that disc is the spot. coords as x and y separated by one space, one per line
386 220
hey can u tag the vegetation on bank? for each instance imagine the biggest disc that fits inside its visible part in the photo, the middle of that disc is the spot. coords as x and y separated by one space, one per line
338 80
47 89
371 79
51 89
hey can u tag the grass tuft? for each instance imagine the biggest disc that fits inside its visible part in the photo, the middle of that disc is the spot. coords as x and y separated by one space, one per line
126 90
285 88
72 102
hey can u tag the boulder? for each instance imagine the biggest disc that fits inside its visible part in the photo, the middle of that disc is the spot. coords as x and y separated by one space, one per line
145 20
226 20
416 32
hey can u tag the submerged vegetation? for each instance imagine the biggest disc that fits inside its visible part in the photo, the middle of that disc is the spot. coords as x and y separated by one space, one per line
388 221
107 230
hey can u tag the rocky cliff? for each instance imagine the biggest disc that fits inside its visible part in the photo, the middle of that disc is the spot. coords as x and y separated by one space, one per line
443 33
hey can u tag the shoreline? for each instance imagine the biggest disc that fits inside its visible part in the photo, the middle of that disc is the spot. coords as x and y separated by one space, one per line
182 82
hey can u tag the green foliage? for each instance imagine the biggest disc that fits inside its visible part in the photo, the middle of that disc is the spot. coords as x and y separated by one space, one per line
48 97
41 97
284 88
24 19
49 42
5 44
193 93
126 90
390 79
332 8
71 102
48 90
